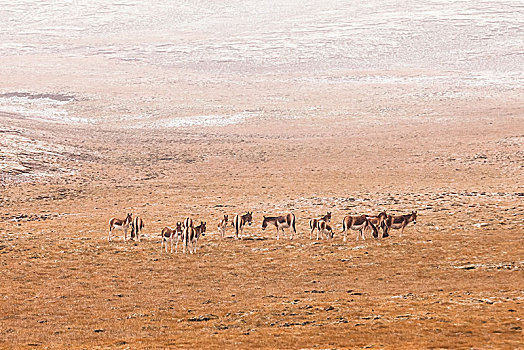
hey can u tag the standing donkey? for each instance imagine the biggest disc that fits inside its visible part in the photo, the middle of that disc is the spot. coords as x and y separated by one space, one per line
120 224
281 222
239 222
169 234
222 225
313 223
400 222
191 235
136 227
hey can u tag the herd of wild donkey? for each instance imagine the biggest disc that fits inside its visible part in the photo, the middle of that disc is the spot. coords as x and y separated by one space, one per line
189 233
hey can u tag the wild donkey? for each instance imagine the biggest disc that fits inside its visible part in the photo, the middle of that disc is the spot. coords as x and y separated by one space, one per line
280 223
359 223
240 221
313 223
170 234
400 222
324 229
222 225
136 227
191 235
379 221
120 224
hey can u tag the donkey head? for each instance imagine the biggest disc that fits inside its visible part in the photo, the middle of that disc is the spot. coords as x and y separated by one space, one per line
264 223
249 218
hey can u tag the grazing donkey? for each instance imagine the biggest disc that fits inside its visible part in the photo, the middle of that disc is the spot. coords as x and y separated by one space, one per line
313 223
136 227
240 221
324 229
379 221
120 224
400 222
359 223
169 234
280 223
222 225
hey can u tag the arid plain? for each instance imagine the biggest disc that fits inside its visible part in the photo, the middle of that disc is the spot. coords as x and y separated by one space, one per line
85 137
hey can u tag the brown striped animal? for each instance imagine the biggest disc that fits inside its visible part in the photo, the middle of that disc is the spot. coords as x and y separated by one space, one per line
170 234
191 235
136 227
280 223
313 223
120 224
359 223
222 225
399 222
239 221
379 221
324 229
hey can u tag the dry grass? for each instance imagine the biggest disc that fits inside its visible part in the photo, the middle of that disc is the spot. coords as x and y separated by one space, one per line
445 284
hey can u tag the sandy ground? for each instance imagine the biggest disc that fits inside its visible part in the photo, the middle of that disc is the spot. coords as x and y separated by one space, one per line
85 136
452 281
